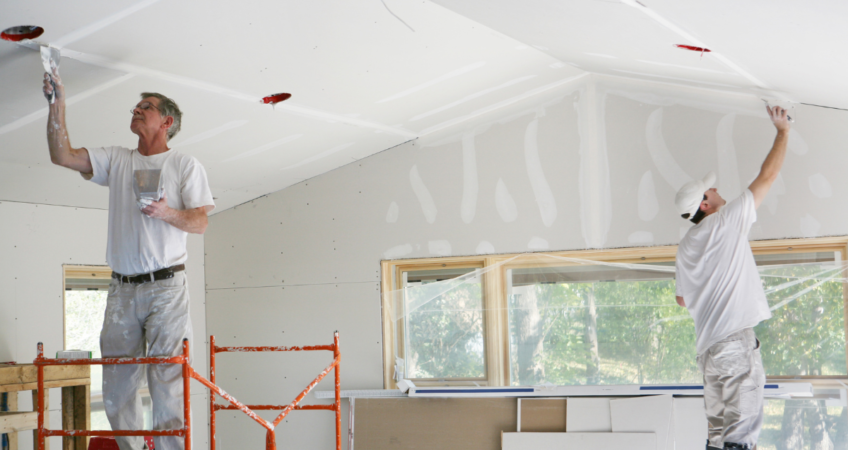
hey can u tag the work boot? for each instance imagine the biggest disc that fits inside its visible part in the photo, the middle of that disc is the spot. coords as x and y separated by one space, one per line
735 446
710 447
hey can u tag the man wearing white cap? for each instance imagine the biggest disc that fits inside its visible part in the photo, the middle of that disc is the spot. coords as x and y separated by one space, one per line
718 282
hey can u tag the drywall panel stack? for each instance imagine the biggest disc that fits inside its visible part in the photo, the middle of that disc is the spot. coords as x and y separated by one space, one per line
645 415
588 414
579 441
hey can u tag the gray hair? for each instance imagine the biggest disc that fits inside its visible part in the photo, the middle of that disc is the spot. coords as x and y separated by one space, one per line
167 107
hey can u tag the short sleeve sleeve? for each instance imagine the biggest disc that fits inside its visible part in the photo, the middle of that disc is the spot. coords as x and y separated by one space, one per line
195 187
741 213
101 162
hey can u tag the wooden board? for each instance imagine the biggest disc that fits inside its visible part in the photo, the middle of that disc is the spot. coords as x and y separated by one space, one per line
14 421
543 414
27 373
47 385
436 423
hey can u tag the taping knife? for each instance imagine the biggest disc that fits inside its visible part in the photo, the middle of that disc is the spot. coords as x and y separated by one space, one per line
50 60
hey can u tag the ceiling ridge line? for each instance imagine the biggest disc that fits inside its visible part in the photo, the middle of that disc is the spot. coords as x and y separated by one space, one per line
112 64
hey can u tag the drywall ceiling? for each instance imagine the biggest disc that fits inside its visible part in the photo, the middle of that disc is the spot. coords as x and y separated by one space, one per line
366 75
361 80
780 49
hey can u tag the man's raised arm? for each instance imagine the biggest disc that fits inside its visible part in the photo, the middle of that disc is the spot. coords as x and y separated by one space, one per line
61 152
774 160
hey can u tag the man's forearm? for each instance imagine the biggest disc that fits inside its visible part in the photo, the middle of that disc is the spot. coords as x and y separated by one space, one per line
188 220
774 160
57 135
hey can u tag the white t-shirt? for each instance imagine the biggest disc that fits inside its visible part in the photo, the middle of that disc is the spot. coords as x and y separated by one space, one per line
137 243
717 276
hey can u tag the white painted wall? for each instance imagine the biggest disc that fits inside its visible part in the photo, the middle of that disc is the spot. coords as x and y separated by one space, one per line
35 241
595 165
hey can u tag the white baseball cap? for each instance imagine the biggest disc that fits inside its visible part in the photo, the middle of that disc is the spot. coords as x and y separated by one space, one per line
690 196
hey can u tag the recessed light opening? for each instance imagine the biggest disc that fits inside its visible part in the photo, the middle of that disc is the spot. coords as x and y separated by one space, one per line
21 33
693 48
275 98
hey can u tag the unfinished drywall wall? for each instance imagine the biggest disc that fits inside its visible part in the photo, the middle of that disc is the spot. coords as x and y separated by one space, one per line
35 241
595 165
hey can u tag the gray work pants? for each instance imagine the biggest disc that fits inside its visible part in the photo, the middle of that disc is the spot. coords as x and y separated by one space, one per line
148 319
733 389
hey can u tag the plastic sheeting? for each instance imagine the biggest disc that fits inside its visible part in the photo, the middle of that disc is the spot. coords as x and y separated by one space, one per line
573 321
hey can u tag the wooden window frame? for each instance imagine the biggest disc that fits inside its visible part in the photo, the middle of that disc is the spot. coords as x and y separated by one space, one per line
79 272
495 320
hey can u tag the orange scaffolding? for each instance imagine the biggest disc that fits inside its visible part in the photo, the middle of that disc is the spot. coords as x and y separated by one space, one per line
270 439
285 409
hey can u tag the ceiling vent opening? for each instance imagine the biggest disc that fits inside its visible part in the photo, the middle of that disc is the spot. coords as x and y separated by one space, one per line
693 48
275 98
21 33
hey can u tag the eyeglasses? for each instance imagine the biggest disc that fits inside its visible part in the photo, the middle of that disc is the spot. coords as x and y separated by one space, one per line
144 106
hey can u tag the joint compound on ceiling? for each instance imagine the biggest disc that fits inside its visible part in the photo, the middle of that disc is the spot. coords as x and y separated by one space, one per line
209 134
470 185
321 155
433 82
263 148
501 104
685 35
290 108
100 24
472 97
29 118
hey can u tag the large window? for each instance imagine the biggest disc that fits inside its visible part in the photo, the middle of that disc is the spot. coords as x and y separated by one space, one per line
598 317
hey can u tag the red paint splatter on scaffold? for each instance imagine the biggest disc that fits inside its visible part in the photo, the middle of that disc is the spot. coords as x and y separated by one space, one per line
693 48
20 33
275 98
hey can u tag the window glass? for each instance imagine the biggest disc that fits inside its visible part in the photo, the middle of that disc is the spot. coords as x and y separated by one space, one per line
443 328
579 325
601 324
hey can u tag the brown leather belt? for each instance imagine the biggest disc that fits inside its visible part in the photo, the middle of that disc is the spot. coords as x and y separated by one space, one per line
162 274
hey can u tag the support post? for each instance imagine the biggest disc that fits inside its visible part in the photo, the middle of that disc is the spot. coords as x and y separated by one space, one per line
337 355
39 434
212 395
186 397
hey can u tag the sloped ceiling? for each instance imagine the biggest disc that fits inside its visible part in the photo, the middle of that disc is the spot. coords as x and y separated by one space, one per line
774 49
367 75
